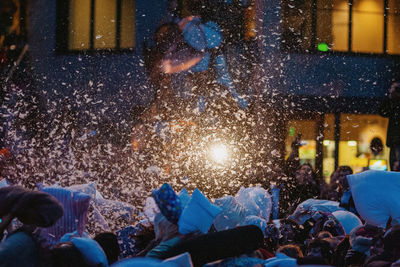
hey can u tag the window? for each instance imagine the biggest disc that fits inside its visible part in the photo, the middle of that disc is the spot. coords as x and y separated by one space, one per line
393 27
297 25
95 25
356 134
333 24
328 162
361 26
308 131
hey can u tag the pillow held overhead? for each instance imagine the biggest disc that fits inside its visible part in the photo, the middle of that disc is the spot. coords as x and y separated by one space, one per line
376 195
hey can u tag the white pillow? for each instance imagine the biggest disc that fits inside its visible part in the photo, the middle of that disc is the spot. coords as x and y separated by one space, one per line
376 195
320 205
232 214
4 183
89 188
256 200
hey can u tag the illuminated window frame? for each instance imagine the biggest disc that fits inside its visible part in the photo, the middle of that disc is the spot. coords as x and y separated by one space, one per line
315 46
62 29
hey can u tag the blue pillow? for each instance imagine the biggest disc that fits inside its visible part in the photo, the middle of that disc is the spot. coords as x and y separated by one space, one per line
202 65
198 215
213 34
194 35
184 197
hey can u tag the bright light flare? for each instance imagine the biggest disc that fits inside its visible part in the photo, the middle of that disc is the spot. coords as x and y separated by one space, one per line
219 153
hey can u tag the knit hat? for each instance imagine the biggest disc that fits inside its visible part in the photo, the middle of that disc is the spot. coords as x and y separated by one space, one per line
198 215
168 202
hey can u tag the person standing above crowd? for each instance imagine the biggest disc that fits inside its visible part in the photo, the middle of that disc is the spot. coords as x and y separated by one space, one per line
390 108
301 184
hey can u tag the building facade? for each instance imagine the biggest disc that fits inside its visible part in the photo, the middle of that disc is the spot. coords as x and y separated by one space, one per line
325 65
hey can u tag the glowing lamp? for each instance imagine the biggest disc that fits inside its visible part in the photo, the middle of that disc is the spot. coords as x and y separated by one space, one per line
352 143
219 153
327 142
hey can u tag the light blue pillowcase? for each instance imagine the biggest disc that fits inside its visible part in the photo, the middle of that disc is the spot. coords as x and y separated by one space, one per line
198 215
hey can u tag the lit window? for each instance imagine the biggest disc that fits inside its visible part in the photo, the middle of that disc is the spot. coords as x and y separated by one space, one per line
96 24
367 26
333 24
393 36
356 133
361 26
297 21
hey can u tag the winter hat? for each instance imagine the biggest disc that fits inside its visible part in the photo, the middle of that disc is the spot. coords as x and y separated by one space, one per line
348 220
168 202
200 37
198 214
30 207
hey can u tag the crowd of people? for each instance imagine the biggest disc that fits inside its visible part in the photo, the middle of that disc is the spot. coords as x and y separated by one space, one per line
48 227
